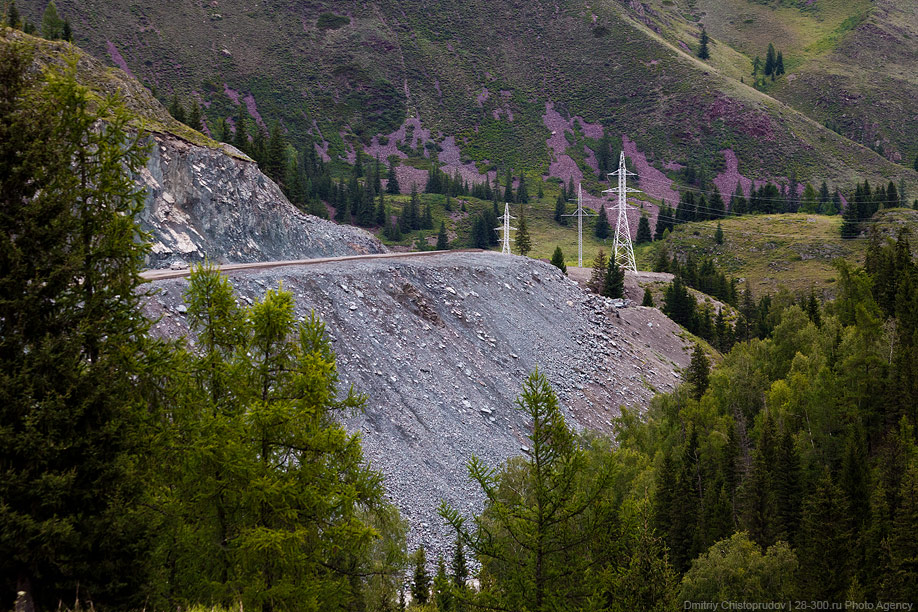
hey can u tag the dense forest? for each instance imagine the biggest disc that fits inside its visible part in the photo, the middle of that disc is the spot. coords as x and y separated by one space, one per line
139 473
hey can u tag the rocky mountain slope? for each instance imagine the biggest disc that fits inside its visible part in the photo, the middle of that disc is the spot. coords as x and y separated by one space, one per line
441 345
202 203
480 83
204 199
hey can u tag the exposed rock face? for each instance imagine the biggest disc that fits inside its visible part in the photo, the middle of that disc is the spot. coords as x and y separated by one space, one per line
202 202
441 345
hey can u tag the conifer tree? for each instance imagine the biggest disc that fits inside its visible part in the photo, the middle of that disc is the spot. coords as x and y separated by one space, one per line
194 117
176 109
770 61
698 372
570 186
601 230
614 282
779 64
522 240
380 217
13 20
598 275
756 66
67 31
392 186
643 232
420 582
72 441
443 594
719 234
557 260
442 238
648 297
522 194
561 208
427 221
241 138
52 26
703 52
508 190
541 192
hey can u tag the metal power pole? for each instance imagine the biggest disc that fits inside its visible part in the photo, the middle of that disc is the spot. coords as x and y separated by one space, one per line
506 229
622 249
579 213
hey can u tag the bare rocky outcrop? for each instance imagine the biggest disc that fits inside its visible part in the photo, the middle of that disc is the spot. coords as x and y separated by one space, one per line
441 344
215 203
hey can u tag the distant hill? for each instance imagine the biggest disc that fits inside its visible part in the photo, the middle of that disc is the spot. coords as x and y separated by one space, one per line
488 85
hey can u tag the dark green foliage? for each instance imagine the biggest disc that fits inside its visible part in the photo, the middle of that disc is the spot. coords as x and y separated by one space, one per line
442 238
665 221
643 232
601 230
561 209
648 297
613 285
698 372
678 304
719 234
176 109
392 186
194 117
420 581
557 259
13 20
67 31
703 52
72 440
331 21
241 137
598 274
779 64
770 61
547 520
522 240
443 595
52 26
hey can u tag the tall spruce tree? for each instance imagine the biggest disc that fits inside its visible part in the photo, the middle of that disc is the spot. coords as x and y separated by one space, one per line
703 52
601 230
442 238
392 186
613 285
72 443
643 232
522 240
420 581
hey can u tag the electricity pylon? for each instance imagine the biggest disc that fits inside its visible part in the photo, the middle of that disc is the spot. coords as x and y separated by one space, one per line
622 249
506 229
579 213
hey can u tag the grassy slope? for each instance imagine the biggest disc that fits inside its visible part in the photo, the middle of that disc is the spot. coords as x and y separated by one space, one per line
851 63
772 251
389 61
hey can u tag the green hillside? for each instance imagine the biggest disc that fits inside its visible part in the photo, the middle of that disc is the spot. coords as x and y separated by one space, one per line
338 74
794 251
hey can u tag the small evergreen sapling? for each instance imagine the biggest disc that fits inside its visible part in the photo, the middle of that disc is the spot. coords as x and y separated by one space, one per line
557 259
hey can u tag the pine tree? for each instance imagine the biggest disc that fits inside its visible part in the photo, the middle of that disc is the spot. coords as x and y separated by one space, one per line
561 208
442 238
698 372
52 26
825 541
598 275
522 194
392 186
241 138
274 162
703 52
176 109
648 297
522 241
67 31
719 234
557 260
756 66
443 594
601 230
72 350
779 64
427 221
770 61
195 118
420 583
13 20
643 232
614 282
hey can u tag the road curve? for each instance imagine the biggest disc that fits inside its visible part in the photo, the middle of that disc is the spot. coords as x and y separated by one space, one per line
152 275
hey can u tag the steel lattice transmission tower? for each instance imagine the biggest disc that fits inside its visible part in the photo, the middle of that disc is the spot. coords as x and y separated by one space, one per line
579 213
622 249
506 229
